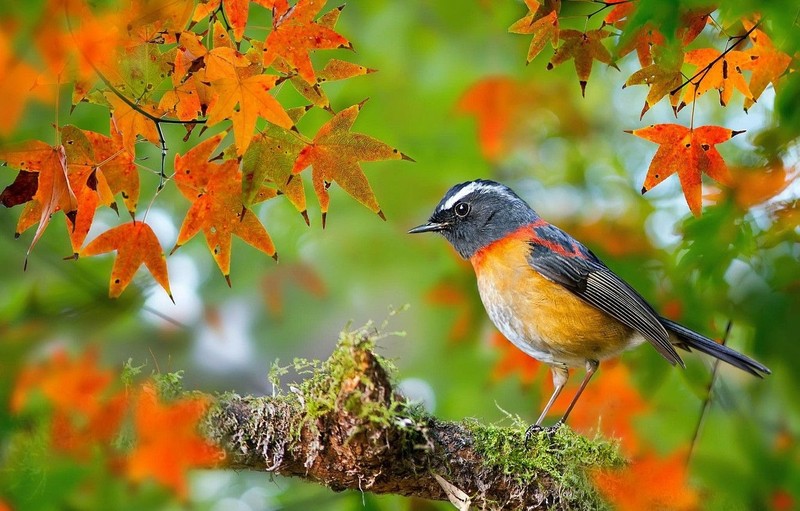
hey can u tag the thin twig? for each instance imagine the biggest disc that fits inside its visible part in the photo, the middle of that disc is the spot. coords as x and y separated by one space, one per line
709 396
705 70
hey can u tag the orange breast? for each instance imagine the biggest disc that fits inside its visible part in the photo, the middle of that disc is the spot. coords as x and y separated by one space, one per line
540 317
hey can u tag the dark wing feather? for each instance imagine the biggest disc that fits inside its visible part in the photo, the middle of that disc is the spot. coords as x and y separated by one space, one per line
561 259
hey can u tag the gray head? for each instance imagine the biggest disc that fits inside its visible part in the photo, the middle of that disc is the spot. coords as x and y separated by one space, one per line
474 214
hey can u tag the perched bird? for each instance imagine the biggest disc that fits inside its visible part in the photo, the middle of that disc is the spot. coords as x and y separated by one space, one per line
550 295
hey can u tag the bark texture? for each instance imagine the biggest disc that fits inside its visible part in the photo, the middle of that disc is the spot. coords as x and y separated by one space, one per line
346 428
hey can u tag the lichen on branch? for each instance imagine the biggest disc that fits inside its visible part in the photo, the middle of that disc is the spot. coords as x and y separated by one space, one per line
346 427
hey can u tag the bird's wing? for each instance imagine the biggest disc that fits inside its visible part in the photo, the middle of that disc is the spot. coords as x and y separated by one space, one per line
560 258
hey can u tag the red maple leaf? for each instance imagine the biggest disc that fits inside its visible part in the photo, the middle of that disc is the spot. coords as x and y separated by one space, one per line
690 152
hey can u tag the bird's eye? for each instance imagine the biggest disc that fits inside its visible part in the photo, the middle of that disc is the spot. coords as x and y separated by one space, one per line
462 209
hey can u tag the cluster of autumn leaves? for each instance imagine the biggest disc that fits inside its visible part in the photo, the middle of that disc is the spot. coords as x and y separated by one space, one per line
132 430
150 70
664 58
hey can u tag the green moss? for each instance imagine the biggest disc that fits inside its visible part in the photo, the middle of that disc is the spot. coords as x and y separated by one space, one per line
343 382
563 455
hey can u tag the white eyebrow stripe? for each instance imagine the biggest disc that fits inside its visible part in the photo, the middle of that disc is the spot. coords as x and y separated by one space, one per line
471 188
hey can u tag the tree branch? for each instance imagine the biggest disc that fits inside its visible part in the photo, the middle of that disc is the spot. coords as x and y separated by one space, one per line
346 427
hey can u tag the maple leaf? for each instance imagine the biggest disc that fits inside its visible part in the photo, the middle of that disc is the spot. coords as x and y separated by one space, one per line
87 180
130 122
751 186
649 482
663 77
167 441
215 190
135 244
542 22
141 70
621 10
645 40
295 34
583 48
85 411
236 81
19 82
718 71
690 153
70 385
334 70
334 156
692 22
52 192
270 158
495 102
770 66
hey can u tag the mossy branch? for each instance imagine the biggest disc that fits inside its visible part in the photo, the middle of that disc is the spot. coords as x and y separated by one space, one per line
347 428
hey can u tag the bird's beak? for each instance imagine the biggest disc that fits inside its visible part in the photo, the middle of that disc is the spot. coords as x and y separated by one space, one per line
429 227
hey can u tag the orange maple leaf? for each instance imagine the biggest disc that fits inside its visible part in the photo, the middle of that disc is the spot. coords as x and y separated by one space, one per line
751 186
718 71
583 48
135 244
130 122
167 441
334 155
19 82
690 153
236 12
650 482
215 190
87 179
236 81
770 66
542 22
295 34
70 385
52 189
334 70
645 41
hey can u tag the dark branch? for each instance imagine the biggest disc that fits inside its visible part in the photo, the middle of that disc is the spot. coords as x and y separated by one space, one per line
346 428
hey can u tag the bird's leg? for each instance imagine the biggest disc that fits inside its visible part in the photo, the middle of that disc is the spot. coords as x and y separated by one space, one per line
560 377
591 367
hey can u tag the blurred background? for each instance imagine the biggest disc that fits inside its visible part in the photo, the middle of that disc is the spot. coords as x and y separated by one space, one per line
453 92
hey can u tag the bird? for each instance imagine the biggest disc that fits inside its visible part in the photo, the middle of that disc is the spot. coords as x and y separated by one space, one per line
551 296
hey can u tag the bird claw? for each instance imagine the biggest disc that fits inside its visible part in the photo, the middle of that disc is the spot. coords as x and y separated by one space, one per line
536 428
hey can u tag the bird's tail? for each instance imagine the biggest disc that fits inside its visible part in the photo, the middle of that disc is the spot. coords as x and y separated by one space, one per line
690 339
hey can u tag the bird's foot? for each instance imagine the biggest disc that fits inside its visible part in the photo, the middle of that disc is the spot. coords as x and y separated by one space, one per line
536 429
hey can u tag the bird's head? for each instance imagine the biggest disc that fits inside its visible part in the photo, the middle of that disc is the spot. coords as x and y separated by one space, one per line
474 214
